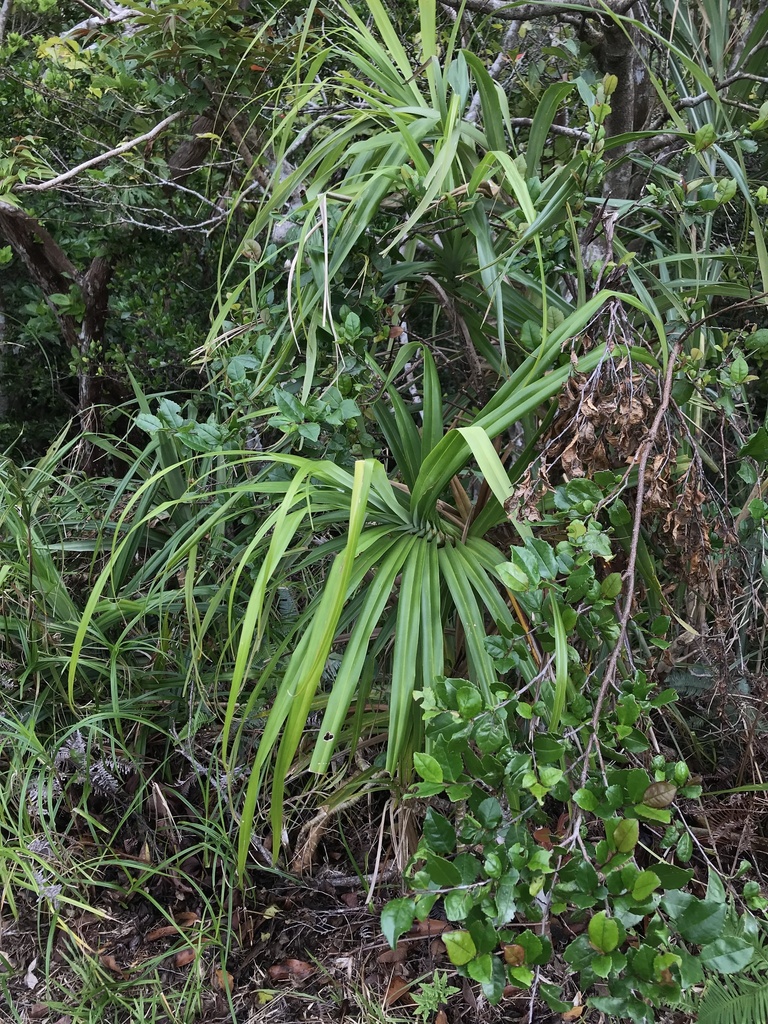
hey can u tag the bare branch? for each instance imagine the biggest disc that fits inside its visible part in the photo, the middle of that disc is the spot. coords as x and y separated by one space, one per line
738 53
528 12
694 101
657 142
448 305
117 13
641 461
125 147
556 129
48 265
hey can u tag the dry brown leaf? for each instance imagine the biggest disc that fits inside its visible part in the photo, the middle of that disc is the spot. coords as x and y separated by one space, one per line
514 955
394 956
543 836
223 980
431 926
161 933
186 919
440 1017
660 794
37 1011
184 957
573 1014
300 969
111 964
290 970
397 992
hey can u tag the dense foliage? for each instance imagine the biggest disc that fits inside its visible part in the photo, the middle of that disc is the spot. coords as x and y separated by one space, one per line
383 403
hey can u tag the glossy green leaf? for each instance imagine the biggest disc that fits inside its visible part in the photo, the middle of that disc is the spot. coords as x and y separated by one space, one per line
603 932
460 947
428 767
626 835
397 918
439 833
701 921
646 883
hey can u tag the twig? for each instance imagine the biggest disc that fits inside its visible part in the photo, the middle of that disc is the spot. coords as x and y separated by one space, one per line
124 147
694 101
447 303
657 142
98 20
629 576
556 129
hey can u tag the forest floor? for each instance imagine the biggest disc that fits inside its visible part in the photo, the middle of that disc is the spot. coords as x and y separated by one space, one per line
140 942
120 901
154 929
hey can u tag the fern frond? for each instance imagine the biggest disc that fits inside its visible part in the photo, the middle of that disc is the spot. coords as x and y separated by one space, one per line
737 1000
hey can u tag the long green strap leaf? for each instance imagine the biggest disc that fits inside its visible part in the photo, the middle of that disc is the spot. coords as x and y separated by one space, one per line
345 683
405 658
294 697
561 665
432 643
471 617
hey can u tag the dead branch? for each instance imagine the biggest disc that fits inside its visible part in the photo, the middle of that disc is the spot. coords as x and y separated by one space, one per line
116 13
124 147
528 12
694 101
469 346
557 129
609 675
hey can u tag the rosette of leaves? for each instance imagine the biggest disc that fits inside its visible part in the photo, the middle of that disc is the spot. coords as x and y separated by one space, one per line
399 565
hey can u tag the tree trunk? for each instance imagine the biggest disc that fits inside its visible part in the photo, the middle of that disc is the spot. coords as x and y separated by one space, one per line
621 53
52 271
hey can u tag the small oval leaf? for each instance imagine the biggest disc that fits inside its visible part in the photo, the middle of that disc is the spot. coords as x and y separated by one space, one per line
460 946
603 932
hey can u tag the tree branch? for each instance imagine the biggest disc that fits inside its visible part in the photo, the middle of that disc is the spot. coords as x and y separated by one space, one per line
557 129
738 56
47 264
117 13
528 12
125 147
694 101
495 69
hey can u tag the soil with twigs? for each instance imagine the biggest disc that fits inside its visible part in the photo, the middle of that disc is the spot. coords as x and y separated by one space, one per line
151 925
